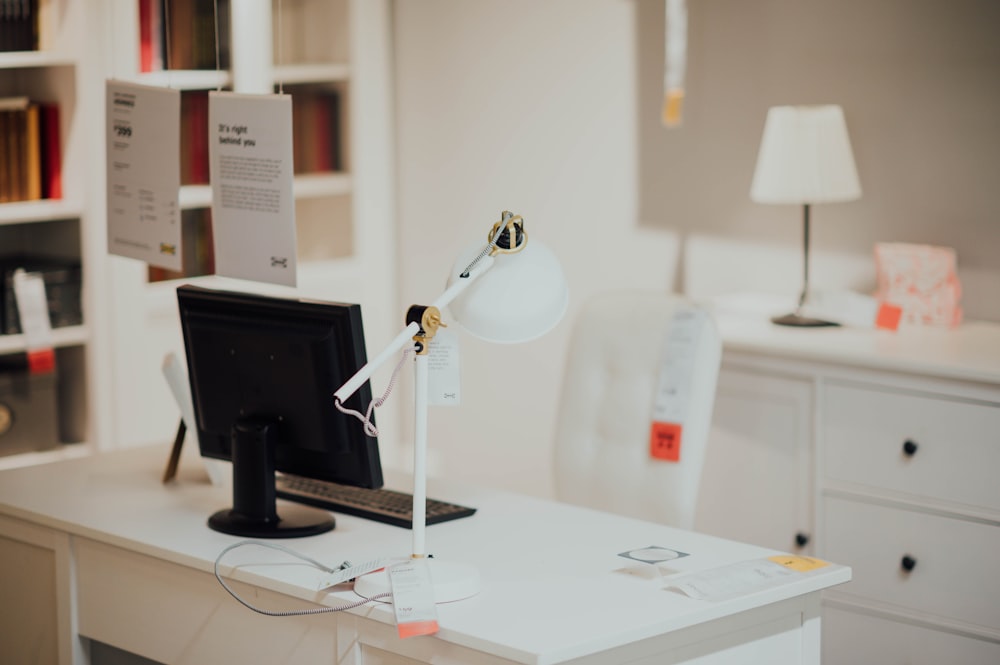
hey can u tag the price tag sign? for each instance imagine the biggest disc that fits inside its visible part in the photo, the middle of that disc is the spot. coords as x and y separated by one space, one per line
143 167
671 401
413 598
33 311
444 385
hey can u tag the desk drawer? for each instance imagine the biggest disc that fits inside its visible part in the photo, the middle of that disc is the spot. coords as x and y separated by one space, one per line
955 449
850 639
955 560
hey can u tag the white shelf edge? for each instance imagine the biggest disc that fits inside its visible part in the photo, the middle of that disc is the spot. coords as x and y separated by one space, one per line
318 185
195 196
184 79
306 186
63 452
21 59
61 337
23 212
311 73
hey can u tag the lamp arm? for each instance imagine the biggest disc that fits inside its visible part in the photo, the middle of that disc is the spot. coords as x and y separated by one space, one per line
405 337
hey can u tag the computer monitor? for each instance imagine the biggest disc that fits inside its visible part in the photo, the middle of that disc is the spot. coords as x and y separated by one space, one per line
263 371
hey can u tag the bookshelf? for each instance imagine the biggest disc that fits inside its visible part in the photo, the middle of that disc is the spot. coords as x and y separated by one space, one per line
322 52
58 223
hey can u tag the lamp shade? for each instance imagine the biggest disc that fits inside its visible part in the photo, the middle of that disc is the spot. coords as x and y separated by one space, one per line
520 297
805 157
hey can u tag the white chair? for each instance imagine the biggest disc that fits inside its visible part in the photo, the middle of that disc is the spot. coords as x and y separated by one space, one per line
618 349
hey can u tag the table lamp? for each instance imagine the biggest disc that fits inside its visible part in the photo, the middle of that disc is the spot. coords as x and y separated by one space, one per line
805 158
503 291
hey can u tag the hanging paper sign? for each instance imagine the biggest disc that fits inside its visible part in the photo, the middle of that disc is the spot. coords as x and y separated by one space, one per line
143 168
671 402
253 210
675 61
444 385
413 598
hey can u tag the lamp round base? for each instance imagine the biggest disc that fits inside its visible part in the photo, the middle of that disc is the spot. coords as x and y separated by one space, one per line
452 581
801 321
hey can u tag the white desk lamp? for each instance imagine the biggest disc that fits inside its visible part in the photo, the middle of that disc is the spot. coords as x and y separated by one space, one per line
805 157
523 296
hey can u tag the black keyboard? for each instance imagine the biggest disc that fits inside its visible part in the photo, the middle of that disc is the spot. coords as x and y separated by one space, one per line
381 505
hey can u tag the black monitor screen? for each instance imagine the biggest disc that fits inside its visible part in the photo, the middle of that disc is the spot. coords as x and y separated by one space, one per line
263 371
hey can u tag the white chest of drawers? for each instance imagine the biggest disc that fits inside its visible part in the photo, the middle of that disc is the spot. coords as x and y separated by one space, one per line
892 467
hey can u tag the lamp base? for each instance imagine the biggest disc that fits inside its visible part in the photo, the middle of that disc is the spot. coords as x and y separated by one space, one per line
801 321
452 581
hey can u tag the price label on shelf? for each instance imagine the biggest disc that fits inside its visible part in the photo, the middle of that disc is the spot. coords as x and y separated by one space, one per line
33 312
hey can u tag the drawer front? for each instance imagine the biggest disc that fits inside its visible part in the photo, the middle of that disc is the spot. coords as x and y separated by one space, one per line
957 444
850 639
954 575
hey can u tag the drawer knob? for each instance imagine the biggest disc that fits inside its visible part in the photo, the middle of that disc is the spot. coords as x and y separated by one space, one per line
909 447
908 563
801 539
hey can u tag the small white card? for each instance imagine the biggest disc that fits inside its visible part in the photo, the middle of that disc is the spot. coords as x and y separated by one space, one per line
33 312
351 572
33 309
673 390
143 133
251 169
746 576
413 598
444 381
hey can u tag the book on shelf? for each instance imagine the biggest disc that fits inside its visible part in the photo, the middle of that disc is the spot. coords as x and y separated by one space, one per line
19 25
315 129
194 137
30 163
151 35
181 34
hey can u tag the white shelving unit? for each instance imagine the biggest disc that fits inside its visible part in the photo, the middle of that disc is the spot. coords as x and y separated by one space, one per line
68 227
344 218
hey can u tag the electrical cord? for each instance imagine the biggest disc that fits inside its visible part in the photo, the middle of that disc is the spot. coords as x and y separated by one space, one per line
366 418
288 613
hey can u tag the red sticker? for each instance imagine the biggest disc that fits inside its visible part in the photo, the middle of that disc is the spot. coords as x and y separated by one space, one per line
41 361
665 441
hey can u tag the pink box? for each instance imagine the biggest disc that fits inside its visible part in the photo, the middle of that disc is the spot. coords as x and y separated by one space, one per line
921 280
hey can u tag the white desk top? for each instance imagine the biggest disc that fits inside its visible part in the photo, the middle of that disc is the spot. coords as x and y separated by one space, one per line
553 585
969 352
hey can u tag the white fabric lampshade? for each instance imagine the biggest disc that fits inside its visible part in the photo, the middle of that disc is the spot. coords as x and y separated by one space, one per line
521 297
805 157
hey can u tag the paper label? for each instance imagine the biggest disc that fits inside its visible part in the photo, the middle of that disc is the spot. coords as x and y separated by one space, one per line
803 564
251 169
746 576
671 401
33 312
351 572
737 579
413 598
444 382
143 134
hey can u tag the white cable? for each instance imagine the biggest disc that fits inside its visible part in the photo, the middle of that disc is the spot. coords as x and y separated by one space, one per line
366 418
288 613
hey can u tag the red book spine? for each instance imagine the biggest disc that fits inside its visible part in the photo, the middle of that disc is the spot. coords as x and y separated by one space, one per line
51 152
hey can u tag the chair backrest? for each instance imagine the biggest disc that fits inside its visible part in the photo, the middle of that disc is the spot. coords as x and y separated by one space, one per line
627 350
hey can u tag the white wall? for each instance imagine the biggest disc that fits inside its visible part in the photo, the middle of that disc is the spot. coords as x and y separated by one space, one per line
551 108
527 106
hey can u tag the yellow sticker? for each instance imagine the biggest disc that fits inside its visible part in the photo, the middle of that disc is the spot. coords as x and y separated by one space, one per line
800 563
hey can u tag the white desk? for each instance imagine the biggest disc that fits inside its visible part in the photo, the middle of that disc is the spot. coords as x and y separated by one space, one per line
130 563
